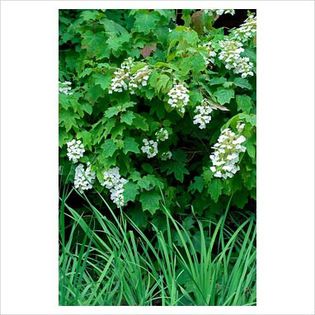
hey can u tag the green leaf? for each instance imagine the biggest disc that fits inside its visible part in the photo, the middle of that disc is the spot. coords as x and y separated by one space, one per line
150 201
248 118
88 15
149 182
145 21
250 147
161 83
102 79
118 35
183 37
127 117
188 222
198 184
95 44
177 165
109 148
140 122
86 107
249 179
126 105
111 112
194 63
130 145
135 176
148 168
207 175
217 81
214 189
86 137
228 84
242 83
195 97
85 72
224 96
116 43
240 199
68 119
186 16
130 191
94 92
244 103
112 28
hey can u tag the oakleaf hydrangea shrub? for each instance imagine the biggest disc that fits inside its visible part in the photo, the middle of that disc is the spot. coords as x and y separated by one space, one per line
153 107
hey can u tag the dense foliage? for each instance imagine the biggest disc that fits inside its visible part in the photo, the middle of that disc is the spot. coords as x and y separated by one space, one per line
148 100
157 157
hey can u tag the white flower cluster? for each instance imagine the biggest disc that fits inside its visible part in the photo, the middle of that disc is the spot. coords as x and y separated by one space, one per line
65 88
149 147
83 178
247 30
211 53
244 67
227 11
123 80
166 155
220 11
178 97
230 54
75 150
202 116
120 81
226 153
140 78
115 183
161 135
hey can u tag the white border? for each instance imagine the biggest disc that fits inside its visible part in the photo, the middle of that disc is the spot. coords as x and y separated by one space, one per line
285 157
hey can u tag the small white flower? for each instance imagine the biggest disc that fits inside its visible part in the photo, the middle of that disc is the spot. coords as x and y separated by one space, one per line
230 54
229 11
240 126
150 148
75 150
161 135
115 183
239 140
178 97
65 87
244 67
140 78
209 59
246 31
219 12
202 116
120 81
226 154
166 155
83 178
